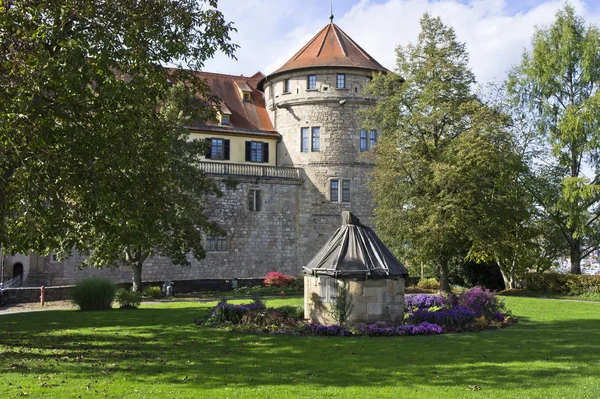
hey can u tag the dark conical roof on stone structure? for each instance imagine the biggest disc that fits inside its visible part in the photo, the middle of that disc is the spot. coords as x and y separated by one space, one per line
331 47
355 251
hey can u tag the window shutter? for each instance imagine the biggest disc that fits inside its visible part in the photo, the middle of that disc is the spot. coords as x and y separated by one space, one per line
226 149
265 152
248 151
258 200
209 151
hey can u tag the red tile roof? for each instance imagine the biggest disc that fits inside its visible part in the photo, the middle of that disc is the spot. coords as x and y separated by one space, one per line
331 47
247 117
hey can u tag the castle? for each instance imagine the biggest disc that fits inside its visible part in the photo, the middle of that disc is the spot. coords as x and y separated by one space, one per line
288 153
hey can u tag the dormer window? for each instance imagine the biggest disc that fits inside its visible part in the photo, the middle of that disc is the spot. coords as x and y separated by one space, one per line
224 119
246 96
244 90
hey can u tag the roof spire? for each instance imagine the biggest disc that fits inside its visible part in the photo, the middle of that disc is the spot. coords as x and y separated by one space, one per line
331 14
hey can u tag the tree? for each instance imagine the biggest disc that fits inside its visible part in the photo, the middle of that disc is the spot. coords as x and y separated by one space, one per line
93 153
557 83
443 159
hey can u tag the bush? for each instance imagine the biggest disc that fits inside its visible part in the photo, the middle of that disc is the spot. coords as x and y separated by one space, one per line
562 284
428 284
291 312
153 292
225 312
93 294
278 279
128 299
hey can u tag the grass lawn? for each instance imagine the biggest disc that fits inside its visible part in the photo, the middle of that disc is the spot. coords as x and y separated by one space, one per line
156 352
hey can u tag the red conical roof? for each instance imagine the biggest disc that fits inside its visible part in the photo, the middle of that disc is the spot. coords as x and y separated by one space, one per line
331 47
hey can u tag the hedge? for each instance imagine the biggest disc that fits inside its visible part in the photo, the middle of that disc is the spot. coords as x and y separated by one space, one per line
562 284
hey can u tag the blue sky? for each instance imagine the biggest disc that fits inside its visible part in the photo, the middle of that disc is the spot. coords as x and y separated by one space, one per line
495 31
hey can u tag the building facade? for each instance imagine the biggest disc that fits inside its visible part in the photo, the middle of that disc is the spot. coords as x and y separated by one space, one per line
289 154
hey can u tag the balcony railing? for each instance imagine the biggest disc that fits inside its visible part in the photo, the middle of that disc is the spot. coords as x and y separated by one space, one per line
236 169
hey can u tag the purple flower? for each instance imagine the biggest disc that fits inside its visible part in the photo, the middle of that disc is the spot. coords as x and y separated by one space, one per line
421 301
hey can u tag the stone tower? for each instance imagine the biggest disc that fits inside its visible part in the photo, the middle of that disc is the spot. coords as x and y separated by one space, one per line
313 102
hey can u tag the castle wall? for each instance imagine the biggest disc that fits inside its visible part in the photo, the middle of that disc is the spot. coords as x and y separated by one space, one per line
257 241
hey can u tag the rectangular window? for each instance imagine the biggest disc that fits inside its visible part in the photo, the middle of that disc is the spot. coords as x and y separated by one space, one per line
217 149
341 81
216 244
286 86
316 139
311 82
224 119
345 190
334 191
246 96
254 200
373 138
257 151
304 139
363 141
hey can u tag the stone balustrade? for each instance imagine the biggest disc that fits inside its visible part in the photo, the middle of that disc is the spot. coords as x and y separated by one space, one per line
234 169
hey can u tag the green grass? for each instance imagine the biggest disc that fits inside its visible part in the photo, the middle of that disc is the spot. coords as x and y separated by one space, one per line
157 352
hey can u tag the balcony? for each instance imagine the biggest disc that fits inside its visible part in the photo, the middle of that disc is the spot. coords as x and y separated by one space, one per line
236 169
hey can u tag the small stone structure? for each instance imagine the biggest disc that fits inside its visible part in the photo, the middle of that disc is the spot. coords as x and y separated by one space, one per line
355 256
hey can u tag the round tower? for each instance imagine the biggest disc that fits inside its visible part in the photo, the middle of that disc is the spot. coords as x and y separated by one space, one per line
313 101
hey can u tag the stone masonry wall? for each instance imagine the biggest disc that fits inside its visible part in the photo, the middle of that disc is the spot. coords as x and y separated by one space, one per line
336 113
257 241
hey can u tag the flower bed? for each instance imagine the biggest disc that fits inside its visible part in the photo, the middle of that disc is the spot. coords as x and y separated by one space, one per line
427 314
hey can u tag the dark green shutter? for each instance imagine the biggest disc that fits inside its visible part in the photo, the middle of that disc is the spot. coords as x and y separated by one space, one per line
209 151
248 151
265 152
226 149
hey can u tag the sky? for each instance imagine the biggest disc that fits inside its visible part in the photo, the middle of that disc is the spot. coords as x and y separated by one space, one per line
269 32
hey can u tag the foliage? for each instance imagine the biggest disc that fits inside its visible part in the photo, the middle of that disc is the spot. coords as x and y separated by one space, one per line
328 331
93 293
428 284
225 312
341 305
556 83
563 284
153 292
94 153
471 309
278 279
444 161
128 299
383 330
291 312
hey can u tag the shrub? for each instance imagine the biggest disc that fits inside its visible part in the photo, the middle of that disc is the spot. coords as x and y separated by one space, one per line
93 294
453 318
382 330
291 312
298 284
341 306
334 330
481 301
278 279
225 312
153 292
562 284
128 299
421 301
428 284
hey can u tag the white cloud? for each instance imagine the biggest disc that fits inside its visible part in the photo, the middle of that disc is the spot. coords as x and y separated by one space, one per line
271 31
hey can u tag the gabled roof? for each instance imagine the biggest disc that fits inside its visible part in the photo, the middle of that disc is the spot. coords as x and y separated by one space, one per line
331 47
246 116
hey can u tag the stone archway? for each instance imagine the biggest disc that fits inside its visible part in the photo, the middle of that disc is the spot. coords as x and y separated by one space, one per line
18 273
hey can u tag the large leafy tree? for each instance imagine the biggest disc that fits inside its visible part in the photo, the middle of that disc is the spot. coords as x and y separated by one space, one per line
93 153
444 158
557 81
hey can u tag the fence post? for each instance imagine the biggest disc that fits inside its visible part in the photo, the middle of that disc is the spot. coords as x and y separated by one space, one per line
42 295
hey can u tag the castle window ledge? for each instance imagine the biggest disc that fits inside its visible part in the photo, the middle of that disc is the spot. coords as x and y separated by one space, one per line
236 169
312 89
342 89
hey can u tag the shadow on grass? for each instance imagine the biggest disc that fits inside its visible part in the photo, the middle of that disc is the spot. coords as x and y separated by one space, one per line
162 345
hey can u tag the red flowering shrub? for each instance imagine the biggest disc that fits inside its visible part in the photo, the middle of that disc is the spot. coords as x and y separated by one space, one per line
278 279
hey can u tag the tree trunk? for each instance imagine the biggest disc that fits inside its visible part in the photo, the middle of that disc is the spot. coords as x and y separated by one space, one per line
136 269
444 278
575 256
505 275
